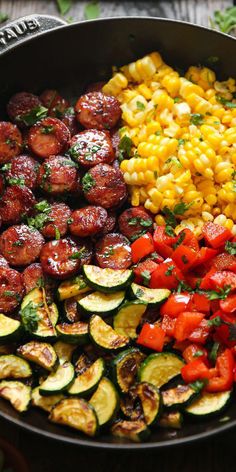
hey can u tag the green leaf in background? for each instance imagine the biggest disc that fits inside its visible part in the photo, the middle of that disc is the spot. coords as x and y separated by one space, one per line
92 10
64 6
3 17
225 20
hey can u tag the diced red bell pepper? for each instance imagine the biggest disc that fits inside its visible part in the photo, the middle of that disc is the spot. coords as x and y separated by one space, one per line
167 275
162 242
222 279
192 280
181 345
205 254
223 261
224 378
195 370
222 333
200 302
145 267
188 238
206 283
168 325
176 304
229 304
191 353
201 333
151 336
186 323
184 257
142 247
216 235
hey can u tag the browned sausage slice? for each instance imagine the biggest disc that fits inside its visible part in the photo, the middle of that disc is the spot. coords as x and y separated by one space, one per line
88 221
32 277
113 251
58 216
58 175
10 141
103 185
134 222
48 137
2 184
85 249
23 170
92 147
54 102
96 110
21 245
110 222
16 202
60 259
21 105
69 119
11 289
3 262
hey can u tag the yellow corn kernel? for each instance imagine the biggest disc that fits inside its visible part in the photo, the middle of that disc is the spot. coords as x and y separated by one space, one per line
206 216
145 91
115 85
160 220
135 196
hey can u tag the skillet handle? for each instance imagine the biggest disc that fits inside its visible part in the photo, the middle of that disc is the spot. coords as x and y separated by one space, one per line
25 28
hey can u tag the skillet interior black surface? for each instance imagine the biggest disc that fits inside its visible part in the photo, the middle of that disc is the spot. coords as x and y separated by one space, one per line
67 59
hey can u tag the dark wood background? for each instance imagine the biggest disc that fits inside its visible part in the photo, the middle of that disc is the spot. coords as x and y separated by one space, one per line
215 455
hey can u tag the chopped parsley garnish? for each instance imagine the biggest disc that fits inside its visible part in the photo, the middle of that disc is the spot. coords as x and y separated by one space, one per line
221 294
140 106
18 243
109 251
34 115
184 259
125 147
198 385
198 353
16 181
78 254
139 292
70 221
169 231
42 217
137 220
179 241
183 287
217 321
9 293
29 317
88 182
146 276
57 233
230 248
43 206
169 270
196 119
6 167
214 351
179 209
181 141
177 99
47 129
225 102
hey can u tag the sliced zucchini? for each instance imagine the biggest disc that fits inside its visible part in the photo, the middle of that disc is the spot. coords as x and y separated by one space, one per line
102 303
17 393
10 329
209 404
58 381
87 382
151 401
53 313
46 403
159 368
125 367
82 364
107 280
64 351
14 367
76 413
172 419
36 316
76 333
71 288
179 396
131 406
128 318
104 336
105 401
152 296
70 309
42 354
136 431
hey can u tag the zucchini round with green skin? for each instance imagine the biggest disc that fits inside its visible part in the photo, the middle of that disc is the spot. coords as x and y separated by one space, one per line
125 367
40 353
152 296
13 367
179 396
76 413
136 431
64 351
45 403
107 280
71 288
82 364
58 381
209 404
75 333
129 317
101 303
70 310
53 313
35 315
159 368
151 401
86 383
17 393
10 329
171 420
104 336
105 401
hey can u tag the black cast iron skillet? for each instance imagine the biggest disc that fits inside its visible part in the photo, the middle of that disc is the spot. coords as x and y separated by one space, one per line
40 52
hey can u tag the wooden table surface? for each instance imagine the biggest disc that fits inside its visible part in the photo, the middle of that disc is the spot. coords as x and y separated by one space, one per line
215 455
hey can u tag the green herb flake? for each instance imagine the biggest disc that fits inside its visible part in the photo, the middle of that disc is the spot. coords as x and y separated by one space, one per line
214 351
184 259
230 248
183 287
198 385
78 254
140 106
29 317
221 294
196 119
47 129
92 10
18 243
6 167
177 99
125 147
169 270
169 231
70 221
139 292
198 353
225 102
181 141
16 181
146 276
88 182
57 233
179 241
34 115
43 206
109 251
215 322
9 293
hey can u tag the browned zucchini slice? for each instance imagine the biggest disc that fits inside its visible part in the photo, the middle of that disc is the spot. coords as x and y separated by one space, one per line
40 353
76 413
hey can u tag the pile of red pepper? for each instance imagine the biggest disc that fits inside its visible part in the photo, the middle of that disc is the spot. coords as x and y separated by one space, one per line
199 317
